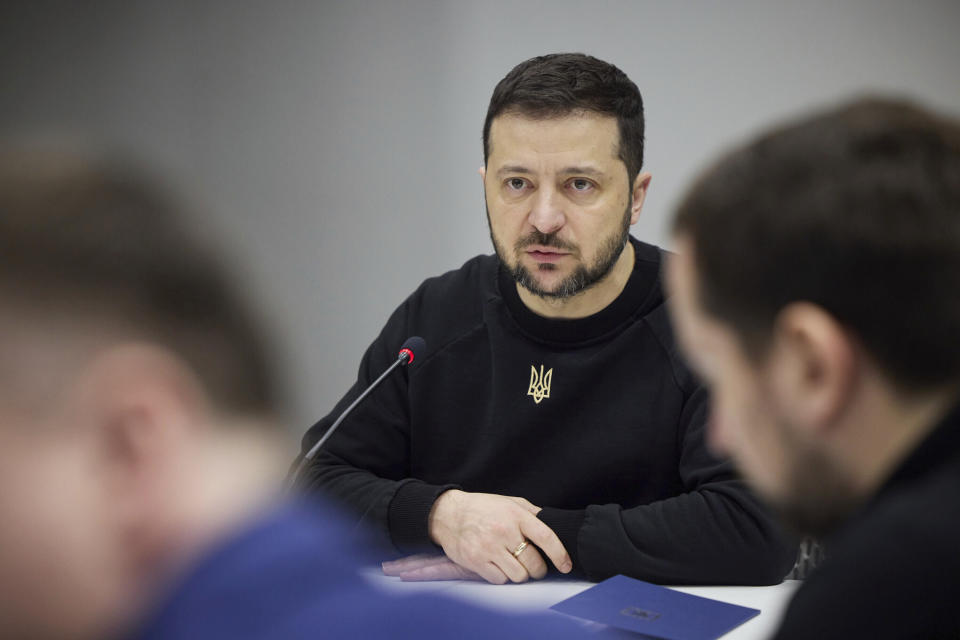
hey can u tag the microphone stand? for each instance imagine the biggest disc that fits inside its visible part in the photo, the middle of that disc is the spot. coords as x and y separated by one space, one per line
402 359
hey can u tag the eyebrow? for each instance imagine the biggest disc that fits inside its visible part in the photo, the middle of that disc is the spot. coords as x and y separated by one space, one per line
512 168
583 171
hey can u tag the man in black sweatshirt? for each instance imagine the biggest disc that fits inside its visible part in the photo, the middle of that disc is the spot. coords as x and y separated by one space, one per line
551 412
816 292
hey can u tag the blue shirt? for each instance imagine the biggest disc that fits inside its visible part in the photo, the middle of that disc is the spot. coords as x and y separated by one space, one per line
293 574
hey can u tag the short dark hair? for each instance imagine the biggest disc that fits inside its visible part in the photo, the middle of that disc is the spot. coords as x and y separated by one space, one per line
857 210
81 236
558 84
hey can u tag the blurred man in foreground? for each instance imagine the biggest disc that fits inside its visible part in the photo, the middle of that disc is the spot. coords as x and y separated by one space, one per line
139 445
817 292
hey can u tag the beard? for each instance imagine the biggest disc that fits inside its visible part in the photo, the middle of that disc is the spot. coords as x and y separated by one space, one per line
583 277
819 494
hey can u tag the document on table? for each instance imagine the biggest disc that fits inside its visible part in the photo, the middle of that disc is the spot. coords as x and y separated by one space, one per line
654 611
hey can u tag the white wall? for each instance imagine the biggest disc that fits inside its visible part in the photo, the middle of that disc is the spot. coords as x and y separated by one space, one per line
335 145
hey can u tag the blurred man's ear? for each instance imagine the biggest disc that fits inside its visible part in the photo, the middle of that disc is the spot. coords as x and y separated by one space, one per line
143 398
813 367
146 409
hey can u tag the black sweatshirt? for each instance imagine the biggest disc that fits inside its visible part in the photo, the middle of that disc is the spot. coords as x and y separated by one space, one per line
893 570
613 449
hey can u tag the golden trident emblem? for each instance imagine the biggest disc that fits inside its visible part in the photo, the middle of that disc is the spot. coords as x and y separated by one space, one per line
539 384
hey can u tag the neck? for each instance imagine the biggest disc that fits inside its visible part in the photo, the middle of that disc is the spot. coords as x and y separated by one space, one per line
889 426
589 301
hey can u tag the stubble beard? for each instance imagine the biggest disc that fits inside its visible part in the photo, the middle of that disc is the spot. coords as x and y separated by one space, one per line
582 278
820 496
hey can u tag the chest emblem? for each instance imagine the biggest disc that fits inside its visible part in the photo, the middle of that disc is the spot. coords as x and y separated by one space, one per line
539 383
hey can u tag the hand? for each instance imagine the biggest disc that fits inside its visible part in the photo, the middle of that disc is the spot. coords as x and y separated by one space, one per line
480 531
425 567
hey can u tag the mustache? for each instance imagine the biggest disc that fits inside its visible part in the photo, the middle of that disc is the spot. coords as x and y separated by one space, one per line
545 240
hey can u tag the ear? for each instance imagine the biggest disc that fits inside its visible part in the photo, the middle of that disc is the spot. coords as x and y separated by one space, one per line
482 172
640 186
145 396
146 407
813 366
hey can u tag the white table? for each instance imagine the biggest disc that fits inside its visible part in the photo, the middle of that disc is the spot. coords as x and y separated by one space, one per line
539 596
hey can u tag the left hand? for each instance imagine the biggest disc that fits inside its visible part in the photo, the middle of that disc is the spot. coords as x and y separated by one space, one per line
424 567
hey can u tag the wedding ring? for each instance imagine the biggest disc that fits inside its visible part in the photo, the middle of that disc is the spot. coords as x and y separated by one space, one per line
519 549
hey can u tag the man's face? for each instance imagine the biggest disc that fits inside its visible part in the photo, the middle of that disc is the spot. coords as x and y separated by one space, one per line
742 413
558 200
748 420
58 554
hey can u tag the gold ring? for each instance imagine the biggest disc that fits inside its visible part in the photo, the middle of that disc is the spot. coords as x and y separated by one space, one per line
519 549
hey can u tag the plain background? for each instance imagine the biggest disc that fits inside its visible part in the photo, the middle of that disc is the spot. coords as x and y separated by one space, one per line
333 146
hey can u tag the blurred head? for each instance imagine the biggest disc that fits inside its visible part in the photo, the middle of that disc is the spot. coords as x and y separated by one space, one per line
124 352
563 148
817 277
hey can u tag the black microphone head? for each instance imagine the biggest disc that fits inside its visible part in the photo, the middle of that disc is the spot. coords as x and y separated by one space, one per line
412 347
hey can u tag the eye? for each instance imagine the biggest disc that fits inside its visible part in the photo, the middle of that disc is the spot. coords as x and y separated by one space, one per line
516 184
581 185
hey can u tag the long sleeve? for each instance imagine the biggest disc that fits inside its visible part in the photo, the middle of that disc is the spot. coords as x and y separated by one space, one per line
714 533
364 466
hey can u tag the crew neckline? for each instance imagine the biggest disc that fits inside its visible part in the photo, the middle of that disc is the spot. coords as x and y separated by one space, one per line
940 445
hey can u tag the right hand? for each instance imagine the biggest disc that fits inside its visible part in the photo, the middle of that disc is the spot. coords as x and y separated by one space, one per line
480 531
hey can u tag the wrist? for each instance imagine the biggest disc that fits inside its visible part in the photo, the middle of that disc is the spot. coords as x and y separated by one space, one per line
437 521
408 513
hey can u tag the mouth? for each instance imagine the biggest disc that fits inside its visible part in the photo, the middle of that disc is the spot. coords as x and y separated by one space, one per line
546 254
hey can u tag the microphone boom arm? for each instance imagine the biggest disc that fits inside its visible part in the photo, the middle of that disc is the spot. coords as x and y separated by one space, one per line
404 357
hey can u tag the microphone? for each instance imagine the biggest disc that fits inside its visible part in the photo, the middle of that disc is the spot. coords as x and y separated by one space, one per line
408 352
411 346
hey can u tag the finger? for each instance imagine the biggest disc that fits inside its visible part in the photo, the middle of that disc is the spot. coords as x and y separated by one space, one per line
511 567
491 573
526 504
448 570
533 562
544 537
410 563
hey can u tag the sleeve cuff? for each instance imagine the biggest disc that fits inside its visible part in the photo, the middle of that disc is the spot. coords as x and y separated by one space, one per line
566 523
409 513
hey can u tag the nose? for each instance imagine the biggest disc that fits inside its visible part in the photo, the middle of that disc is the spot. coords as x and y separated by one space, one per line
546 214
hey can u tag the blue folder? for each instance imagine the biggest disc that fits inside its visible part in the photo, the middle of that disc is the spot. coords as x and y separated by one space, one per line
654 611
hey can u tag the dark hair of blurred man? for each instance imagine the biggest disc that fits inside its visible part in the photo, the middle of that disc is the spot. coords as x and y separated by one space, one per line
817 292
139 449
